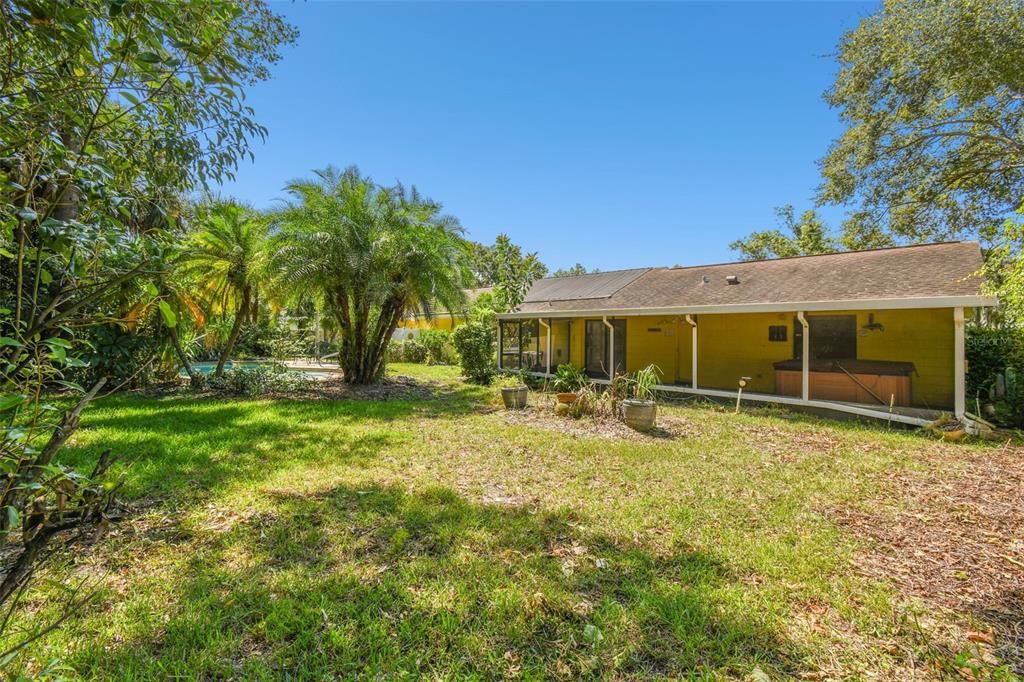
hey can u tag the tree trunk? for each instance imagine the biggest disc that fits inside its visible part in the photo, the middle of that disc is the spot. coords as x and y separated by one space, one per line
182 358
236 330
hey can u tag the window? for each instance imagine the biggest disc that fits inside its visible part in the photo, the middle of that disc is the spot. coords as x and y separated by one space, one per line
833 337
777 332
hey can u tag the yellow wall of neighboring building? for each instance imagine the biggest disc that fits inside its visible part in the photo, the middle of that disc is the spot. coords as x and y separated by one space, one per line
733 346
443 323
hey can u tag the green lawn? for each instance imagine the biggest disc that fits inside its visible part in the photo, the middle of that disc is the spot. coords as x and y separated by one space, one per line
438 537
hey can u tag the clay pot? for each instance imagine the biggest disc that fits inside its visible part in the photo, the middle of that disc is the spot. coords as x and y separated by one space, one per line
514 397
639 414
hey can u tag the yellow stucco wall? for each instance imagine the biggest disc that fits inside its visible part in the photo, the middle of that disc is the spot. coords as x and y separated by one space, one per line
731 346
734 346
924 337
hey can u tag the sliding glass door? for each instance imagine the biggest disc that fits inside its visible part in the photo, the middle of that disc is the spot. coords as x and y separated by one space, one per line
598 340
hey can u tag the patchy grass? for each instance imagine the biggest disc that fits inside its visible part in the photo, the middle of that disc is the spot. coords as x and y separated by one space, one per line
439 536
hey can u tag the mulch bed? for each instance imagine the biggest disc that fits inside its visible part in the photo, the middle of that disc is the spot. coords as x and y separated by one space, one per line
542 415
396 387
956 542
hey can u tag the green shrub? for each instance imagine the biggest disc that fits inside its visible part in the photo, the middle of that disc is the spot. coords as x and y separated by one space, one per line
259 380
118 355
409 350
437 345
475 343
995 373
569 379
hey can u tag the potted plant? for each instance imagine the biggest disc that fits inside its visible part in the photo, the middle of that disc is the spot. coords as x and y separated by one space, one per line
513 391
568 382
948 427
640 410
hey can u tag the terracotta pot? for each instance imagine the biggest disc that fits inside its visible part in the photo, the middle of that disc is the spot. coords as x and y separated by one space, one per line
567 397
953 435
514 397
640 414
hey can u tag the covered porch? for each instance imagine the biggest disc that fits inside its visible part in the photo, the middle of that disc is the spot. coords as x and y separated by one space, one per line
898 364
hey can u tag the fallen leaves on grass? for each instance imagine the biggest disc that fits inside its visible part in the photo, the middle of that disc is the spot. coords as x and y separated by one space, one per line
957 542
542 416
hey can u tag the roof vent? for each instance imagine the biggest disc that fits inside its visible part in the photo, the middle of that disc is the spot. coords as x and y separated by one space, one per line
704 279
732 279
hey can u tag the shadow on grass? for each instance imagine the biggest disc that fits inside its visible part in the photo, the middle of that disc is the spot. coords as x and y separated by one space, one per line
188 447
375 582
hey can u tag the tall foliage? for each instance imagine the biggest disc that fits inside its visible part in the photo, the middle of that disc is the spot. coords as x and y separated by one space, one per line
108 111
369 254
227 256
807 236
932 94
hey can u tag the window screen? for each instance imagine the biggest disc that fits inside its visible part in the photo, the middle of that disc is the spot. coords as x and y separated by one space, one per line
833 337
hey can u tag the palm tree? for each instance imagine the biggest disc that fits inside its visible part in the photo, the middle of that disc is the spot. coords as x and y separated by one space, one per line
368 254
226 256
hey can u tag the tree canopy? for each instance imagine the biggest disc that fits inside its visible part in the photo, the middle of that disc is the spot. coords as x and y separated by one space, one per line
370 254
806 236
574 271
932 94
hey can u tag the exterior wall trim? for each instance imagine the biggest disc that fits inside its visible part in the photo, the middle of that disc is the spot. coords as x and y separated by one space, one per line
808 306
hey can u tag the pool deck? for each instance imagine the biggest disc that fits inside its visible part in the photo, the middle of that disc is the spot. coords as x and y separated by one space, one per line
328 371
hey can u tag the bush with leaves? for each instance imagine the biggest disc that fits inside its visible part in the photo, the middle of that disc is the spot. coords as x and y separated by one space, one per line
110 112
260 380
475 343
122 357
438 346
995 372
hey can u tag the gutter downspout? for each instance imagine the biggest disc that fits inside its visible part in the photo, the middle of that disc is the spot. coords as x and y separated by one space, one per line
611 346
805 369
693 344
547 355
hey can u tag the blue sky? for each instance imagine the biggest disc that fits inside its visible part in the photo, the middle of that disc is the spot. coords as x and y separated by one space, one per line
616 135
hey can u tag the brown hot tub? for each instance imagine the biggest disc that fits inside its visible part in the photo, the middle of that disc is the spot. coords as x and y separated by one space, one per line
874 382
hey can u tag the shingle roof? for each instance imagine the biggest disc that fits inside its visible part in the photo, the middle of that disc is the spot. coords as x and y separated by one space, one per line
927 271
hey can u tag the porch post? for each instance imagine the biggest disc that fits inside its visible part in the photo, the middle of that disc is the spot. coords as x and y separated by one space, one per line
499 346
805 368
611 346
547 356
959 381
693 348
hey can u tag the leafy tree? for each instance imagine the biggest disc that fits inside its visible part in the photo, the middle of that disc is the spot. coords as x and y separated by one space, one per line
574 271
369 254
932 93
107 110
809 235
504 261
476 340
227 256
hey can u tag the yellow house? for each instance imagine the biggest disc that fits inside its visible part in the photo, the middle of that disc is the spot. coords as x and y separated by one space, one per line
877 333
445 320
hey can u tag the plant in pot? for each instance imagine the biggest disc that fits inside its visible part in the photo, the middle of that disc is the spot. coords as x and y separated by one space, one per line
568 382
640 410
513 390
